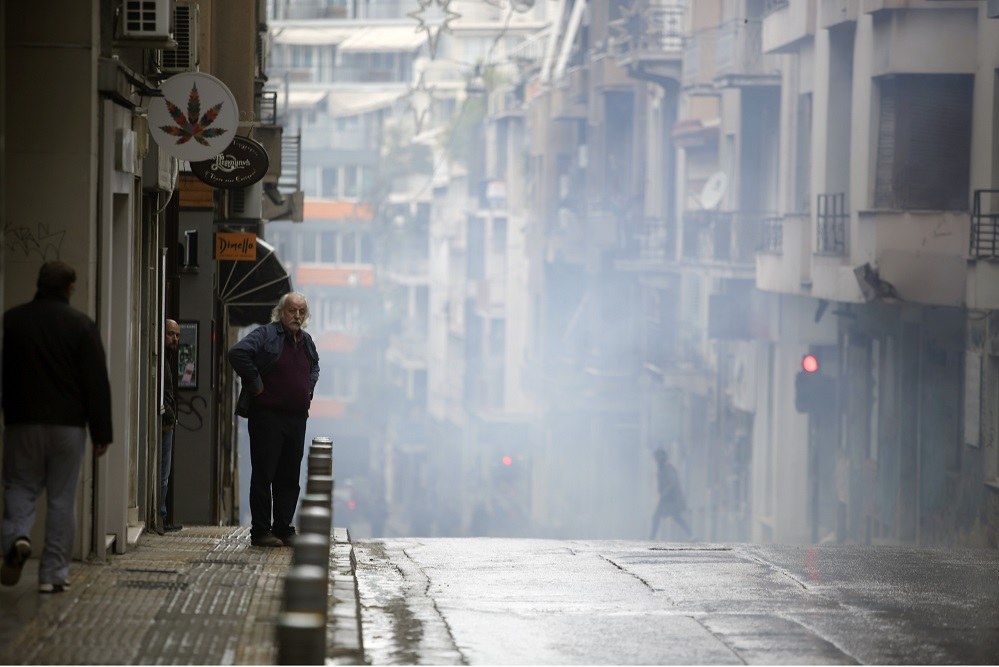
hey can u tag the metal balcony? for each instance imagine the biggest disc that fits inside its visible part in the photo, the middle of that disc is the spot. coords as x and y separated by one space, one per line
832 220
739 57
772 236
985 225
725 237
649 35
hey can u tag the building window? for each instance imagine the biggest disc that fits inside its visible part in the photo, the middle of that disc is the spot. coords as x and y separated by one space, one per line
327 247
803 154
924 142
331 182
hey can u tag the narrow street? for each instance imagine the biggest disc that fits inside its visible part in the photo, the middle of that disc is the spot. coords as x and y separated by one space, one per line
503 601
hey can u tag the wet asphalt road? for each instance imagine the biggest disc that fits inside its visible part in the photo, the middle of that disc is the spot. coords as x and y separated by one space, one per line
509 601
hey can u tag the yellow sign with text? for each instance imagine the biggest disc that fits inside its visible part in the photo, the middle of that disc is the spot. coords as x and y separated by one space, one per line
235 246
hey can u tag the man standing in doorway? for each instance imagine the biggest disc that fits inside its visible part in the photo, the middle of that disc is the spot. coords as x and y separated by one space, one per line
55 384
170 344
279 367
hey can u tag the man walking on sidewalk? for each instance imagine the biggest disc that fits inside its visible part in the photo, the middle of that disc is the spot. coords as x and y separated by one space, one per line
55 383
279 367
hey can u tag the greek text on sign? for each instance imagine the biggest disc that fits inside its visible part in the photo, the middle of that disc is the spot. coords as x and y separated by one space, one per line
235 246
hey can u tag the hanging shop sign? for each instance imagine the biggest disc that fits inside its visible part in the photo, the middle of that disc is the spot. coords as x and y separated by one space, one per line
235 247
195 119
241 164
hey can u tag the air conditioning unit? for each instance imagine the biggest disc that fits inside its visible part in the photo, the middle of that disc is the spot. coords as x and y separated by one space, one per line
145 19
245 203
185 32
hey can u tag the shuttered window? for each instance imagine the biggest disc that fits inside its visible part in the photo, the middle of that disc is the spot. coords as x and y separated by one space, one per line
924 142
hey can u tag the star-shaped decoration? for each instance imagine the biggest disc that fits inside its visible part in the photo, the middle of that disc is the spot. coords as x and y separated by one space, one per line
420 100
439 20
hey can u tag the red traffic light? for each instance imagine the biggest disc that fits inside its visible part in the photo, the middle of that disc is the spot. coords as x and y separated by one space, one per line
507 460
810 363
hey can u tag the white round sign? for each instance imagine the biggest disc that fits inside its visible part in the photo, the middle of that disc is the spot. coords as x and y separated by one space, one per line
196 119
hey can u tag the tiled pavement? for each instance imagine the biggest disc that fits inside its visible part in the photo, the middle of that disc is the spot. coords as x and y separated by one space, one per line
199 596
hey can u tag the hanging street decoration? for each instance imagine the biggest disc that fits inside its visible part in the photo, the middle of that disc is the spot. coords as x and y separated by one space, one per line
438 21
196 119
420 101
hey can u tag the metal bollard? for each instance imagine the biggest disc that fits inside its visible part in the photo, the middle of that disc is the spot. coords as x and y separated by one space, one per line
321 484
315 500
311 549
301 638
305 589
322 440
316 520
320 463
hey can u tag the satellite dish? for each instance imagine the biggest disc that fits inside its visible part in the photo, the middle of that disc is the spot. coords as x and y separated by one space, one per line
714 190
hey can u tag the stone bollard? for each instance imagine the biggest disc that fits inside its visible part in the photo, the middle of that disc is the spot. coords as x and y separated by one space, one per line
301 638
320 463
315 500
311 549
319 484
316 520
305 589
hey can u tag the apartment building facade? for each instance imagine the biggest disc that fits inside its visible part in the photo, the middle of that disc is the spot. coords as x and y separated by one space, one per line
109 205
779 179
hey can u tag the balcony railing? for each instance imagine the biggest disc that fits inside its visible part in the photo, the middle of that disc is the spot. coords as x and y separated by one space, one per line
832 218
739 50
770 6
653 29
985 224
645 240
267 107
721 236
772 235
290 180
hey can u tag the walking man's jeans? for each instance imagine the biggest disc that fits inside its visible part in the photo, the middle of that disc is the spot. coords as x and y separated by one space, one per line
165 462
277 442
37 456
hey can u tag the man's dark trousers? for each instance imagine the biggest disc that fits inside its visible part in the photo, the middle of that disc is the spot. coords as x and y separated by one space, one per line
277 442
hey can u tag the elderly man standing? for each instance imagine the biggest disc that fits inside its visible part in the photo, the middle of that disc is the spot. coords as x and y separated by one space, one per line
55 383
279 367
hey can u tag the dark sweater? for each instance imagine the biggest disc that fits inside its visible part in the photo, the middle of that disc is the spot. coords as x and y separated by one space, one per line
54 369
287 385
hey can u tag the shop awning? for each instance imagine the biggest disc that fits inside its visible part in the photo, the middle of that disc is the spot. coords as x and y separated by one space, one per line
305 99
250 290
384 38
311 36
352 103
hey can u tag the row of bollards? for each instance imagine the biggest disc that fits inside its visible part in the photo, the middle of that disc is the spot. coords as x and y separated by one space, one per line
301 626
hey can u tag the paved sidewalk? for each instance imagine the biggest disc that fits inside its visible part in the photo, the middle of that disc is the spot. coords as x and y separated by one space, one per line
202 595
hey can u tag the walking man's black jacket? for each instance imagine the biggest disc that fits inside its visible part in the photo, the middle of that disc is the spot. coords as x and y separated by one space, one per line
54 369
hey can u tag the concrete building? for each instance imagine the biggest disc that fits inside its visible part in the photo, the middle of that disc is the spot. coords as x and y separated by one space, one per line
779 179
83 181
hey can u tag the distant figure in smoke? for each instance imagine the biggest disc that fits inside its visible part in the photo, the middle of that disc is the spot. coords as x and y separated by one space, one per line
671 501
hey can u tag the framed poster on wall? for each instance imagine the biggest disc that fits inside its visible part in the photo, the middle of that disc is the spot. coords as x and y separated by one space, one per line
187 356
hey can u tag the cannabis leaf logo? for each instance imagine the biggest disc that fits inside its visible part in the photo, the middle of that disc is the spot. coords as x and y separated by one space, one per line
190 126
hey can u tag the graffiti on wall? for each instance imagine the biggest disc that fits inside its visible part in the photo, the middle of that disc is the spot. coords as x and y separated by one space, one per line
42 241
191 412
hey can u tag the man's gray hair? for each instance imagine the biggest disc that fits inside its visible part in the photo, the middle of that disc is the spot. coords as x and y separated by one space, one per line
276 313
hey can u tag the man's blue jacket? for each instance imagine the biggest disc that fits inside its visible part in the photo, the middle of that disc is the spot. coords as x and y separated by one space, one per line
252 356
